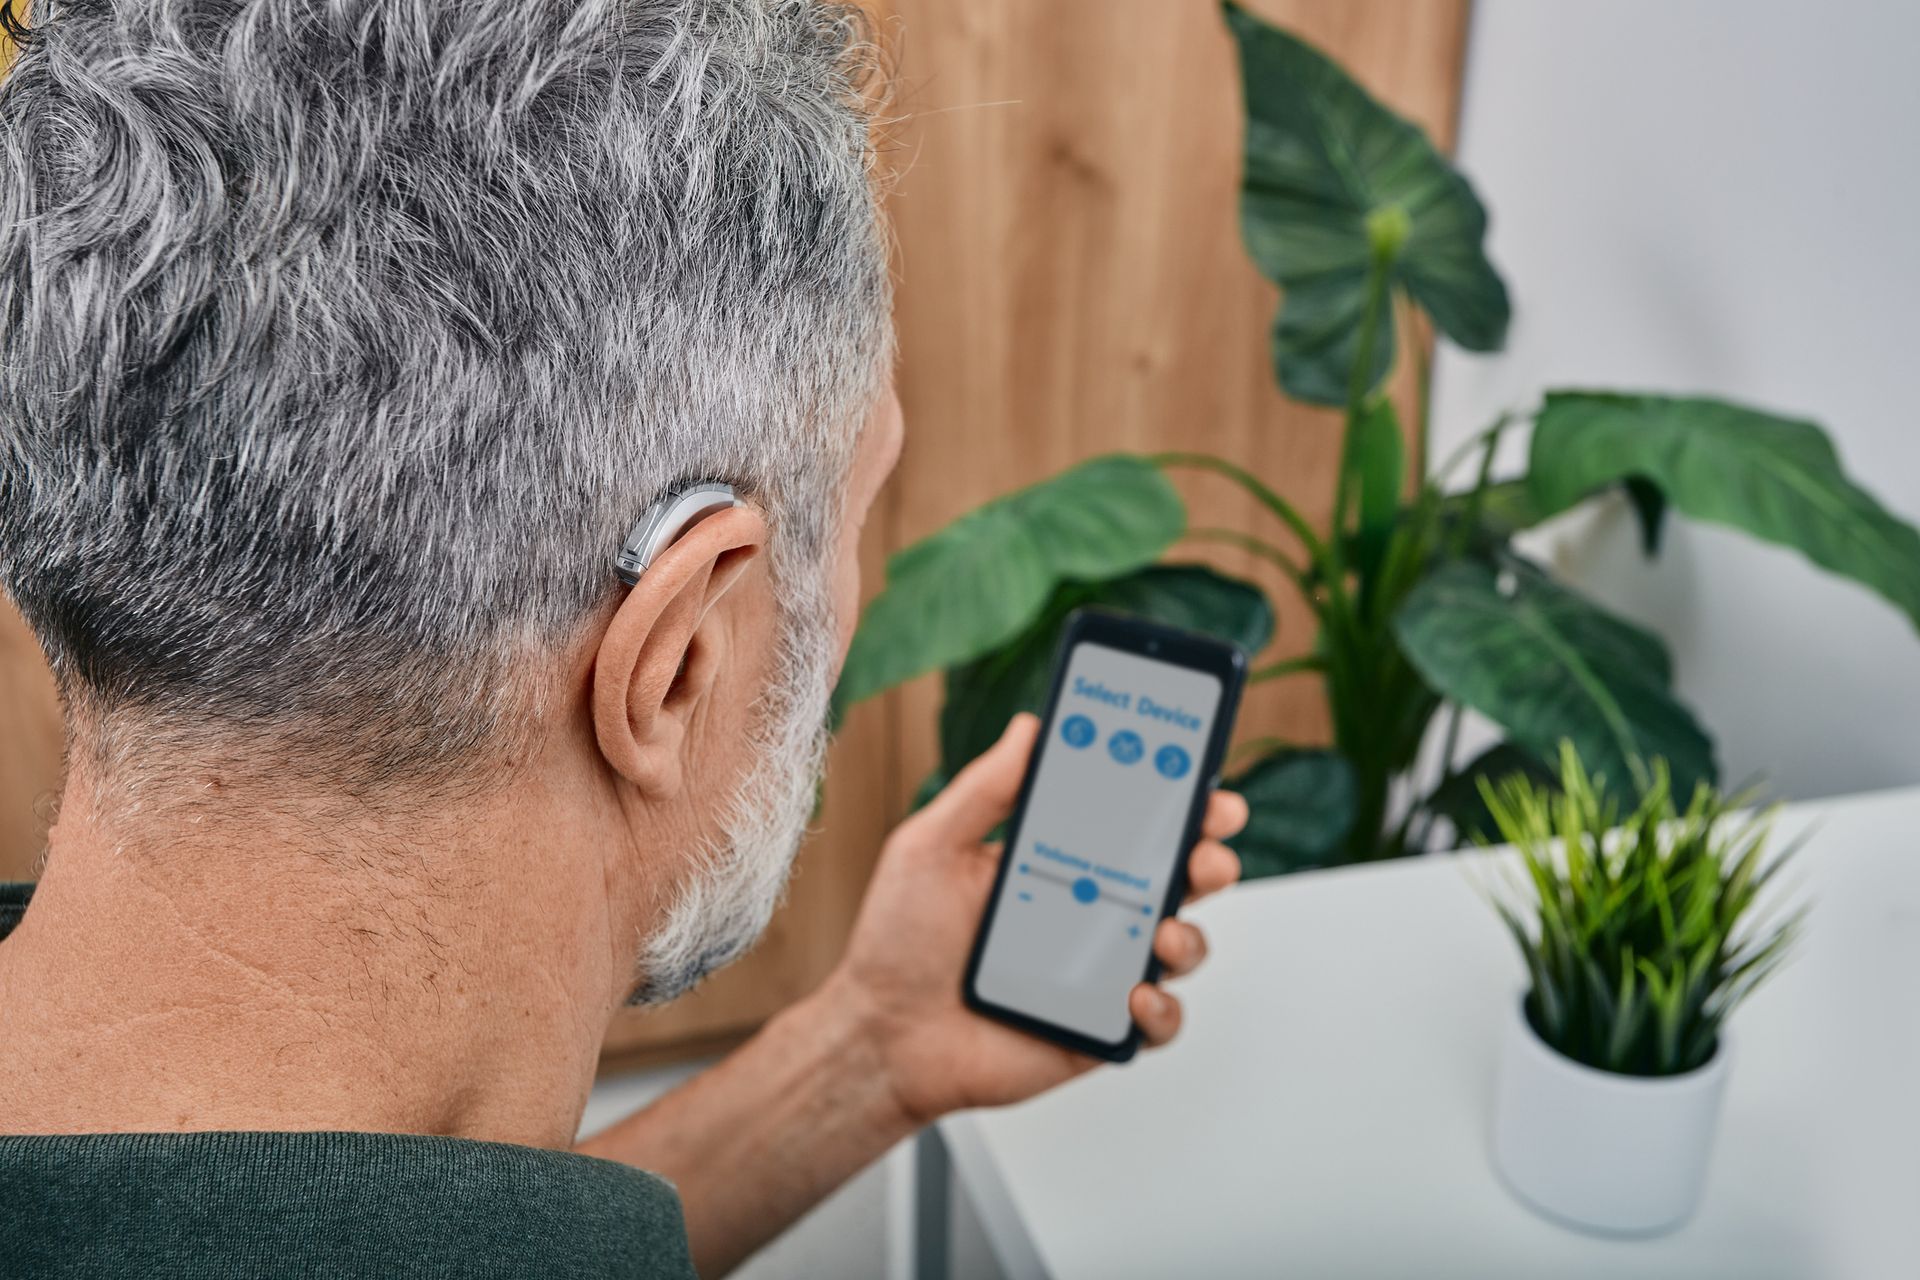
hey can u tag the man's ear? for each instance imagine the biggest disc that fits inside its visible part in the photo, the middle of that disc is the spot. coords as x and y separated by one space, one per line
656 659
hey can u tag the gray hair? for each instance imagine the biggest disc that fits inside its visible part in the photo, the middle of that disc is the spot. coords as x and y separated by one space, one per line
342 343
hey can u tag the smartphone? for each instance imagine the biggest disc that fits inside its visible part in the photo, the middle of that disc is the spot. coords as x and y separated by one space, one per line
1135 729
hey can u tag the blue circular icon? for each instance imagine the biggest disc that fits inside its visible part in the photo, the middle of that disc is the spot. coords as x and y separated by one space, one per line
1077 731
1172 761
1125 746
1085 889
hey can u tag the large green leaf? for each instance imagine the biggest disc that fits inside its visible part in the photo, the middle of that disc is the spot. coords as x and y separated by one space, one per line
1330 173
976 583
1547 664
984 694
1302 806
1775 478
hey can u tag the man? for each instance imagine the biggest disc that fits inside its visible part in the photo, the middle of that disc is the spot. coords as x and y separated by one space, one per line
341 347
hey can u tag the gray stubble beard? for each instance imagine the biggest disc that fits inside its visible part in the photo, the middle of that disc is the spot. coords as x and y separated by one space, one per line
739 878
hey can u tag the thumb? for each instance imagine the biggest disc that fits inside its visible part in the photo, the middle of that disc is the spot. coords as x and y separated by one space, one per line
981 795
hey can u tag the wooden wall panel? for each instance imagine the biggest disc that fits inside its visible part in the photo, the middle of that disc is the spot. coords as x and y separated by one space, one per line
30 742
1072 278
1071 281
30 728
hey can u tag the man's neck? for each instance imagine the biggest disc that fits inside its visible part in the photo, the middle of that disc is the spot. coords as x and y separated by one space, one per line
281 966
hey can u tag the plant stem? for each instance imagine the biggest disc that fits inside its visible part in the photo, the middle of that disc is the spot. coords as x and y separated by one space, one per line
1287 667
1423 386
1478 439
1476 500
1451 742
1448 745
1355 694
1289 515
1259 547
1359 387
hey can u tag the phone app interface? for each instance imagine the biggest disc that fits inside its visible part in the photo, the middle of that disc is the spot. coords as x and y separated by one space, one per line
1074 924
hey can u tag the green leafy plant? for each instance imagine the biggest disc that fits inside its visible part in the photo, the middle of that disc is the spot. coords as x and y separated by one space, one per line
1424 606
1640 936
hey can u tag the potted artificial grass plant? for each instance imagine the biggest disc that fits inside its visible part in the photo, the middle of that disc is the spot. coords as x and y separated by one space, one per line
1640 938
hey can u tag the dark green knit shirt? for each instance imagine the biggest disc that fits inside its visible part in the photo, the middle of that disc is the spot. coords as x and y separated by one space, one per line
323 1204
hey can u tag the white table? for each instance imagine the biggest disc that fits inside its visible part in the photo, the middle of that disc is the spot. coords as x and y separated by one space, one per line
1325 1112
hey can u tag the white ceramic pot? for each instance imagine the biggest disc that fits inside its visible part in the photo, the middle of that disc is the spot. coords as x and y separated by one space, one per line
1614 1154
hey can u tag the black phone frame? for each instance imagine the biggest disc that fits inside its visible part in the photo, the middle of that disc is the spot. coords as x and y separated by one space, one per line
1161 643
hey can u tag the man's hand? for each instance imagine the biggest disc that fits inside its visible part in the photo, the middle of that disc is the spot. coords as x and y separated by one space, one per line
909 948
885 1046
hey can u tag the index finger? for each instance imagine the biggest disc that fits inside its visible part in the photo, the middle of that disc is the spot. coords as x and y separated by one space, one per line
981 796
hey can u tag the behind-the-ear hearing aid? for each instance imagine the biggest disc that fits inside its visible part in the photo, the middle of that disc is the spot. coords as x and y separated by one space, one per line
666 520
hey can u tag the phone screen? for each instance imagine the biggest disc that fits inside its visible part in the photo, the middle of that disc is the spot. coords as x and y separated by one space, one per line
1098 841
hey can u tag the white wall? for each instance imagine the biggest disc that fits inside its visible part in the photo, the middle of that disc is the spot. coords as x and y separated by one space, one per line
1725 198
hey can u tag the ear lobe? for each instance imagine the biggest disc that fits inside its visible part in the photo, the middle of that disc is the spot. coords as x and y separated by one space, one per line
654 662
